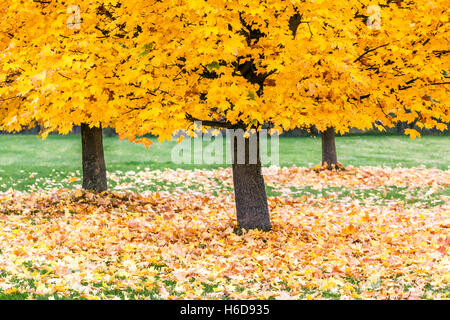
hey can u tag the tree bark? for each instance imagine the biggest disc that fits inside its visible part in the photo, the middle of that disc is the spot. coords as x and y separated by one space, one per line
94 168
329 155
249 189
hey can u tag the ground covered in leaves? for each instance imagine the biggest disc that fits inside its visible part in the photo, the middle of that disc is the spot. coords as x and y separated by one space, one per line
361 233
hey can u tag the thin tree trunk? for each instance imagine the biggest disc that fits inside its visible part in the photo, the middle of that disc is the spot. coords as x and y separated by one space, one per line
329 155
249 189
94 168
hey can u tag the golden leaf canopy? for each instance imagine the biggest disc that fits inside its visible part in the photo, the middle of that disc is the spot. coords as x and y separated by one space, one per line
152 66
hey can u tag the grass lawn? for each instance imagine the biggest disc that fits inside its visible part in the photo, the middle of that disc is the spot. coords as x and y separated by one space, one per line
26 159
377 230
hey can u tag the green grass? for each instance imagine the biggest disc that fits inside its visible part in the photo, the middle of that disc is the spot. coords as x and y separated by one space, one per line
28 161
369 150
25 155
380 196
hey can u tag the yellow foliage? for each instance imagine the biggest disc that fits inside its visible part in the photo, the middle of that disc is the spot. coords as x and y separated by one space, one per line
142 67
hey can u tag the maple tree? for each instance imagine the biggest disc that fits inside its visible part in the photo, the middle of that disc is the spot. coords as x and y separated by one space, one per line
392 69
60 75
243 64
156 66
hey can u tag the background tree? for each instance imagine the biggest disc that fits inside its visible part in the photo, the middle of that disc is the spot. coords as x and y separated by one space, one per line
60 69
367 66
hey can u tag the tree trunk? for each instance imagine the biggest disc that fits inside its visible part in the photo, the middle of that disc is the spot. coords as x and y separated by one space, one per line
94 168
249 188
329 148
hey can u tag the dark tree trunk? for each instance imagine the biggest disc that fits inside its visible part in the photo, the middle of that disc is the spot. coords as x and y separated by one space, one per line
94 169
249 188
329 148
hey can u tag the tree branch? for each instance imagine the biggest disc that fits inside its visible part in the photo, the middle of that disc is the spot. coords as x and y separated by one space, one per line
370 50
216 124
